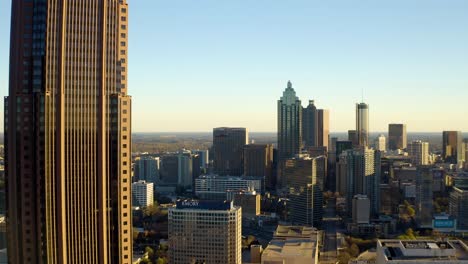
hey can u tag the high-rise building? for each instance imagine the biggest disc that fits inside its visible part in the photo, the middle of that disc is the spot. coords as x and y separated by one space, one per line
68 133
289 124
315 126
424 189
458 206
146 169
302 175
169 172
358 172
215 187
397 138
258 161
361 209
452 146
204 158
353 137
142 193
362 124
381 143
419 152
185 169
228 147
205 232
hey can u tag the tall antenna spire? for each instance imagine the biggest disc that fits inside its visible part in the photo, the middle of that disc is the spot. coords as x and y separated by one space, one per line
362 95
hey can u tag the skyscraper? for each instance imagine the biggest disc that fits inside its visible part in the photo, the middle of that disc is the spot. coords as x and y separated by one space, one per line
397 138
258 161
358 172
315 126
452 146
205 232
146 169
362 124
424 185
303 175
353 137
381 143
289 124
419 152
68 133
228 147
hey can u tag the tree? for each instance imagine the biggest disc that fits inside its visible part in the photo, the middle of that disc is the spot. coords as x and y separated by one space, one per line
354 250
150 252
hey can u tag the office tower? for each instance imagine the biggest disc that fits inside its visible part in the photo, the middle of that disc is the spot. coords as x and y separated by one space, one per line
289 124
184 169
196 169
258 161
353 137
397 137
315 126
358 172
310 125
452 146
419 152
306 198
169 172
204 158
68 133
424 183
361 209
142 193
458 206
392 251
342 146
146 168
323 135
205 232
248 200
215 187
380 143
362 124
228 147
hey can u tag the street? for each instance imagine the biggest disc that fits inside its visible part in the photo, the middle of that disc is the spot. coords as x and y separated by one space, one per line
330 220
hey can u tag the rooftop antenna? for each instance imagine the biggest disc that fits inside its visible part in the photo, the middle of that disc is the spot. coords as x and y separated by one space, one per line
362 95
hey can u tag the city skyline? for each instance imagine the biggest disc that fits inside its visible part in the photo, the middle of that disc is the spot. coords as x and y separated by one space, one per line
410 60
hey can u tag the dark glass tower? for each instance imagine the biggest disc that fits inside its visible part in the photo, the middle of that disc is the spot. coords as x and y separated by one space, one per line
68 133
289 124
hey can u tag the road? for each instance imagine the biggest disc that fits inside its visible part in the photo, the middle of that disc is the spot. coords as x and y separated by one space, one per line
330 221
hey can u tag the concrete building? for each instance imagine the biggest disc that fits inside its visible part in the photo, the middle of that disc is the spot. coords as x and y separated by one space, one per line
142 193
424 206
205 232
204 157
215 187
228 148
452 146
381 143
185 169
258 161
358 172
362 124
146 169
458 207
289 124
397 137
293 245
169 172
421 251
419 152
302 175
248 200
68 133
361 209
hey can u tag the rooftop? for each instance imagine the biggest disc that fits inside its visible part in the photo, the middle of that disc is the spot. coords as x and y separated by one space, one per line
295 232
299 248
423 250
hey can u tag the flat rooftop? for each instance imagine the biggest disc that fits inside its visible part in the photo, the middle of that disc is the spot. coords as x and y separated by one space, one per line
424 250
299 248
295 232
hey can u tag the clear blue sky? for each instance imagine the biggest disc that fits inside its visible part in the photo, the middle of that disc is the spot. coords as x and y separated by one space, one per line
195 65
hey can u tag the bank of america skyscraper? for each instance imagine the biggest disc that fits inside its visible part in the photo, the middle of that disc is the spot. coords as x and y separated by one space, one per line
68 129
289 124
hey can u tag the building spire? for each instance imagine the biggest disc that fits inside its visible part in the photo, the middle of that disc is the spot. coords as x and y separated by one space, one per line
289 84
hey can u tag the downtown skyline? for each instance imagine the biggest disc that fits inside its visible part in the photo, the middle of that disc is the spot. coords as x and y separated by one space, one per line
410 59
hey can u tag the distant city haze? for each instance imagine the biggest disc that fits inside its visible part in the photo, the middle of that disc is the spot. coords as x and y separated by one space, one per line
197 65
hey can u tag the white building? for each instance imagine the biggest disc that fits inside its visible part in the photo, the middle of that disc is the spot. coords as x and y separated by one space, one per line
419 152
205 232
292 245
142 193
421 251
381 143
216 187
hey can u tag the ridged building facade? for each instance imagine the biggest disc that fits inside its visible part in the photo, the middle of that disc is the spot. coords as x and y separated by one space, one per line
68 133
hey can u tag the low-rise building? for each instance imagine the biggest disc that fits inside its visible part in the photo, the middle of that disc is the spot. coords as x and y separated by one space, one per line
293 245
249 201
421 251
215 187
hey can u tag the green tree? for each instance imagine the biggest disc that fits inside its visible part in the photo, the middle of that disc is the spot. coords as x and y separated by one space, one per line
150 252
